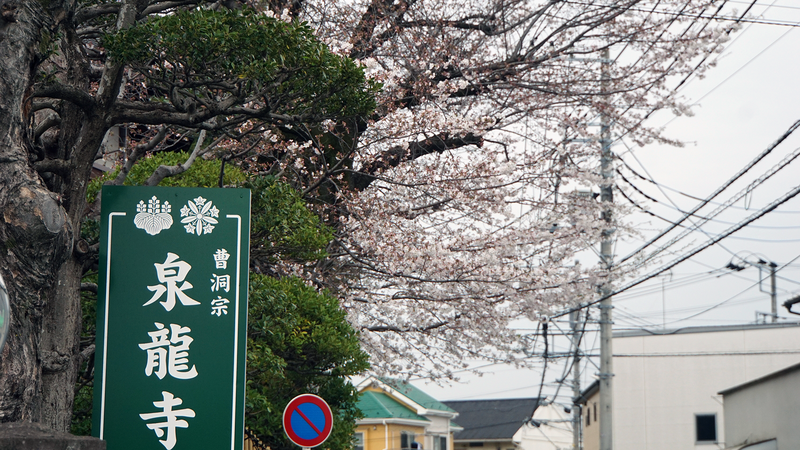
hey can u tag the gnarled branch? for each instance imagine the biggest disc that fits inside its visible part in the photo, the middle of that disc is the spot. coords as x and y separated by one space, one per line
397 155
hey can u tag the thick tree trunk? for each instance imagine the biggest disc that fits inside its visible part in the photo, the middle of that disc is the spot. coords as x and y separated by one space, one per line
41 221
60 347
35 231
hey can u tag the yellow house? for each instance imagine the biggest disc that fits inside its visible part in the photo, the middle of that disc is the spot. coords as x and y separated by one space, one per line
590 423
398 416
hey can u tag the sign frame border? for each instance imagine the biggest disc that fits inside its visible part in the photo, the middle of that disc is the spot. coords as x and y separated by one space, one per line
242 227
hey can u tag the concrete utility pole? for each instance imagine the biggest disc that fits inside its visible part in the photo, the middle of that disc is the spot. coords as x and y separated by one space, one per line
574 319
773 291
607 259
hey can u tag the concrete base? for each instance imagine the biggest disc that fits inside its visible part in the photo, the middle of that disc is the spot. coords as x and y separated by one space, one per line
33 436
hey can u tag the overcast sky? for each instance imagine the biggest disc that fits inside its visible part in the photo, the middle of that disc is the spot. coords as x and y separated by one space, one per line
742 106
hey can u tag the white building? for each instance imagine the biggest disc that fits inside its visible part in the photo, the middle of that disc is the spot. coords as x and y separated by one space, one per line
666 383
762 414
511 424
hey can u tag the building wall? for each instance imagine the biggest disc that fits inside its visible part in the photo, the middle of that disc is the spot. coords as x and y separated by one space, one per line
591 424
764 411
505 444
440 426
657 396
378 431
376 436
553 433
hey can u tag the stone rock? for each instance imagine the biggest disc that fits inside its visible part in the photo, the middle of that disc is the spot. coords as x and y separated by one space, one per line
34 436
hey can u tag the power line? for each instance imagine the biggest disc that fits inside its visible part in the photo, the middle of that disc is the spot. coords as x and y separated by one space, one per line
726 79
690 354
694 197
769 208
716 192
775 22
680 283
738 196
687 216
743 66
770 6
766 241
698 311
709 53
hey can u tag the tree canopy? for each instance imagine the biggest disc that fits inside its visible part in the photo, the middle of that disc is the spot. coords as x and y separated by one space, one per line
247 64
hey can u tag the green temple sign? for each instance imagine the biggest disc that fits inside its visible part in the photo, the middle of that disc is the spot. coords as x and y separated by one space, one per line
172 318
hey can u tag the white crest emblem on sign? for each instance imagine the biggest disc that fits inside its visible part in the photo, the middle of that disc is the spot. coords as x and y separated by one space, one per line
199 216
153 217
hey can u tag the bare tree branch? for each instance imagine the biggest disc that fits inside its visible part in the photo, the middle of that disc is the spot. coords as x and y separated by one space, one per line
139 151
398 155
169 171
79 97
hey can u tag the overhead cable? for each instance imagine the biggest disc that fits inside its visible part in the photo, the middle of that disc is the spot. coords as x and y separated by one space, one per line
753 217
776 22
693 197
719 209
719 190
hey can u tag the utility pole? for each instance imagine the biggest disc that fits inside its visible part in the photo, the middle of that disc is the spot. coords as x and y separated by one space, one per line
773 291
607 259
574 319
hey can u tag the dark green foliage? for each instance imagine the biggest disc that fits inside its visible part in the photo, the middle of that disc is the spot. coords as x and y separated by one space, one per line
299 341
82 407
281 226
206 52
202 173
82 410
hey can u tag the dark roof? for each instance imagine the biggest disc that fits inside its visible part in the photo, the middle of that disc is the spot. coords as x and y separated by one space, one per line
587 393
491 419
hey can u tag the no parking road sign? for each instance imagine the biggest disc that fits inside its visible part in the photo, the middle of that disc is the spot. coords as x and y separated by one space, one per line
307 420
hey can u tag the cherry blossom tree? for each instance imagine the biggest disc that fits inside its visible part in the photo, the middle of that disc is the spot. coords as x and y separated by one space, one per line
471 189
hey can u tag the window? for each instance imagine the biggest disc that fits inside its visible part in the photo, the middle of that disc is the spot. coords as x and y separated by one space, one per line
705 427
594 407
440 443
476 444
358 441
588 417
406 439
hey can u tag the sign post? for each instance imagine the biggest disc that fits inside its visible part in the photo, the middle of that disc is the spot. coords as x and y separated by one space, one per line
172 318
307 420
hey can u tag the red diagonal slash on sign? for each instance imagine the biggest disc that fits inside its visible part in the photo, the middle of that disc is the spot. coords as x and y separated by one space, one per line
322 428
308 421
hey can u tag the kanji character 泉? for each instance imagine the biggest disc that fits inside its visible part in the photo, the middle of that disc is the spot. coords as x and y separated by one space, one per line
172 272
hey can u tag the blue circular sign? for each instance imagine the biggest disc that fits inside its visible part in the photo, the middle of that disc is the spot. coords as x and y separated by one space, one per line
307 420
